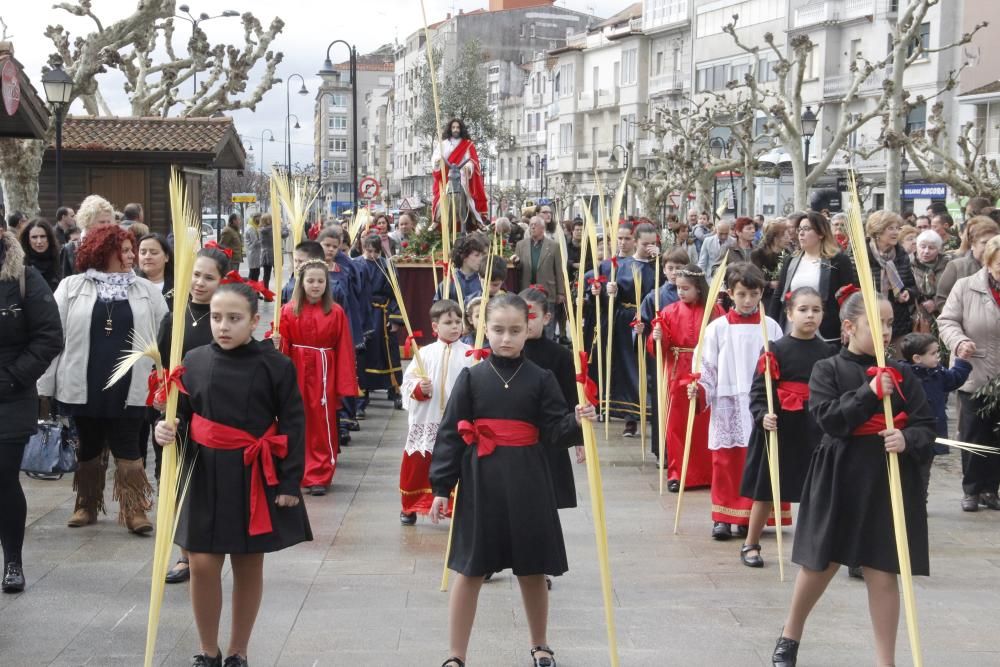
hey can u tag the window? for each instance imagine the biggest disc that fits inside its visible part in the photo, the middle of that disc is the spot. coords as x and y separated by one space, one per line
659 63
712 77
852 138
566 74
916 119
338 145
812 68
921 41
711 18
338 122
629 68
566 138
338 100
677 60
765 71
338 166
738 72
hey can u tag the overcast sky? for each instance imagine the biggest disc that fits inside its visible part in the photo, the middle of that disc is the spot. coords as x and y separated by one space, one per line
309 27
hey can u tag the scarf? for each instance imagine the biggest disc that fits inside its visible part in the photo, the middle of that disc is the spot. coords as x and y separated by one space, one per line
890 276
111 286
994 286
44 262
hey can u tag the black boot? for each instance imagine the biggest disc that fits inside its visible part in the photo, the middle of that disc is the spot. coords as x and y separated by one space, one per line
13 578
786 652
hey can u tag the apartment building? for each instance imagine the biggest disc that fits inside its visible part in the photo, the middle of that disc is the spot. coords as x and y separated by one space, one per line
979 89
510 32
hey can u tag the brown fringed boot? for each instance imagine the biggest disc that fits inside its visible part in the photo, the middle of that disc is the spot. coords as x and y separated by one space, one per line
134 496
88 482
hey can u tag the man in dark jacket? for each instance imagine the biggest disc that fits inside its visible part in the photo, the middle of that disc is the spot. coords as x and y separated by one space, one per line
31 337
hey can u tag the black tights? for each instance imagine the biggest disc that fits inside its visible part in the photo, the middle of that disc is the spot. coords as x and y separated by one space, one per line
119 434
15 507
267 274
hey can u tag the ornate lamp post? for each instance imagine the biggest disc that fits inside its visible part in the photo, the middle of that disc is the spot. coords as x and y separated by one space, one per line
288 115
59 93
353 68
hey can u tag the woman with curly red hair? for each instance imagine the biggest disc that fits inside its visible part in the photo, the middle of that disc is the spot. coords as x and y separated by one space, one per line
100 307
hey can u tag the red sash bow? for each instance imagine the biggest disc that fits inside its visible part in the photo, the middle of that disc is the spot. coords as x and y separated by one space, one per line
877 424
589 386
488 434
688 378
878 371
227 251
478 353
408 343
258 453
793 395
768 359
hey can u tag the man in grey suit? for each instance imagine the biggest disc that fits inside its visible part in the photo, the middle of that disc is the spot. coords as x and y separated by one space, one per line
540 263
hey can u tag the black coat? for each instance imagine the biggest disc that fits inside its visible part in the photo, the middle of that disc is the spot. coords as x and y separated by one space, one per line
31 336
834 273
902 322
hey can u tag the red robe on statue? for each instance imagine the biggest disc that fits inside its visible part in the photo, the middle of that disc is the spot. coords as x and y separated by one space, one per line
455 154
322 350
681 325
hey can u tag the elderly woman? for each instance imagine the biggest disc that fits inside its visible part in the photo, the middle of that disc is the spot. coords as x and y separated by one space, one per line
908 238
968 325
891 269
818 263
978 231
30 338
927 263
100 307
41 250
94 210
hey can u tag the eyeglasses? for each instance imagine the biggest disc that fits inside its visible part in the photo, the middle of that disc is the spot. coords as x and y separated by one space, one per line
804 228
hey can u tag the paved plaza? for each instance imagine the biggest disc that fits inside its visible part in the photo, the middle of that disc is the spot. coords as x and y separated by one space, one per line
365 592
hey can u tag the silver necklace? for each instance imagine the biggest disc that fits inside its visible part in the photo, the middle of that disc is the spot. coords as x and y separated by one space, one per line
195 320
506 383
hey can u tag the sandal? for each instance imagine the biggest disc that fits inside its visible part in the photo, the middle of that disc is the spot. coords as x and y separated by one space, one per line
751 561
545 660
177 576
453 662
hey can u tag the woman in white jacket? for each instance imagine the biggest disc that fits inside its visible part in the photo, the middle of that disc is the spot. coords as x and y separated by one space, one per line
99 308
252 244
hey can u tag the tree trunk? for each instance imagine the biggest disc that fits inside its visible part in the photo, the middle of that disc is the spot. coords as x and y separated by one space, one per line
896 112
20 165
800 188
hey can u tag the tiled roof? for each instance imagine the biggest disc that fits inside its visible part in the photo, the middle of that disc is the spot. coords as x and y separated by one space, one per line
182 135
993 87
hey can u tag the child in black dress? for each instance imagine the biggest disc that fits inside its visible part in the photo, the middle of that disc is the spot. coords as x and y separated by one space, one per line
242 394
506 514
846 517
793 361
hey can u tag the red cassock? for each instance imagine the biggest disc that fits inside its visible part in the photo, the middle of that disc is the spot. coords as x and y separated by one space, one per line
477 191
322 350
681 324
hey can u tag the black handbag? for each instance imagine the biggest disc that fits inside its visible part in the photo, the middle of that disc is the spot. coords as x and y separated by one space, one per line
51 452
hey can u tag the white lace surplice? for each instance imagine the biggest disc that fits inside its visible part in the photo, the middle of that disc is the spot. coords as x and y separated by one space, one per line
442 363
730 354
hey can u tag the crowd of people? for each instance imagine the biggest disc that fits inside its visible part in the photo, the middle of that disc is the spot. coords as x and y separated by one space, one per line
76 294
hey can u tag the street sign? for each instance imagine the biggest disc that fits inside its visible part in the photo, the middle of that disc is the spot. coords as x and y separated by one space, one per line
244 198
368 188
11 88
925 191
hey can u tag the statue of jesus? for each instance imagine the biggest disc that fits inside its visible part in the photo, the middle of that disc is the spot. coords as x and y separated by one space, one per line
454 149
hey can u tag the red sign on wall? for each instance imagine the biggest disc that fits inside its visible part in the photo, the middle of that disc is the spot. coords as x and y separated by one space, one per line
11 88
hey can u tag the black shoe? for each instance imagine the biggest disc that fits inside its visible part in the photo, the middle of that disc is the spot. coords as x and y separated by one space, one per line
989 499
720 531
673 485
630 429
397 403
408 519
361 415
751 561
345 438
236 661
855 573
786 652
179 575
547 660
353 426
205 660
970 503
317 490
453 662
13 578
739 531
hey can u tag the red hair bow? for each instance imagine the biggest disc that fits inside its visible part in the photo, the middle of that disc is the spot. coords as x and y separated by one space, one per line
878 371
408 343
766 360
788 295
846 291
540 288
478 353
216 246
589 386
255 285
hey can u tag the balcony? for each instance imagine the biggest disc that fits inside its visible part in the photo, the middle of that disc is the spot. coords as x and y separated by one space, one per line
337 131
587 100
531 138
833 11
552 111
836 85
536 99
585 160
670 83
607 98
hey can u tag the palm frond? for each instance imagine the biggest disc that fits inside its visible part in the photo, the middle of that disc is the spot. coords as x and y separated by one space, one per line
143 347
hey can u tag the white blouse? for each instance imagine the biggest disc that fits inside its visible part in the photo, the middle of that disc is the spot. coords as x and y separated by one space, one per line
807 274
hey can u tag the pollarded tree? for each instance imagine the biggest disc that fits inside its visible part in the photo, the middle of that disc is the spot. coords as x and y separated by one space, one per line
154 84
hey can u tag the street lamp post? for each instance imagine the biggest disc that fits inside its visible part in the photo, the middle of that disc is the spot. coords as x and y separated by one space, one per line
261 158
613 163
59 92
288 115
353 68
719 147
194 27
809 123
904 164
